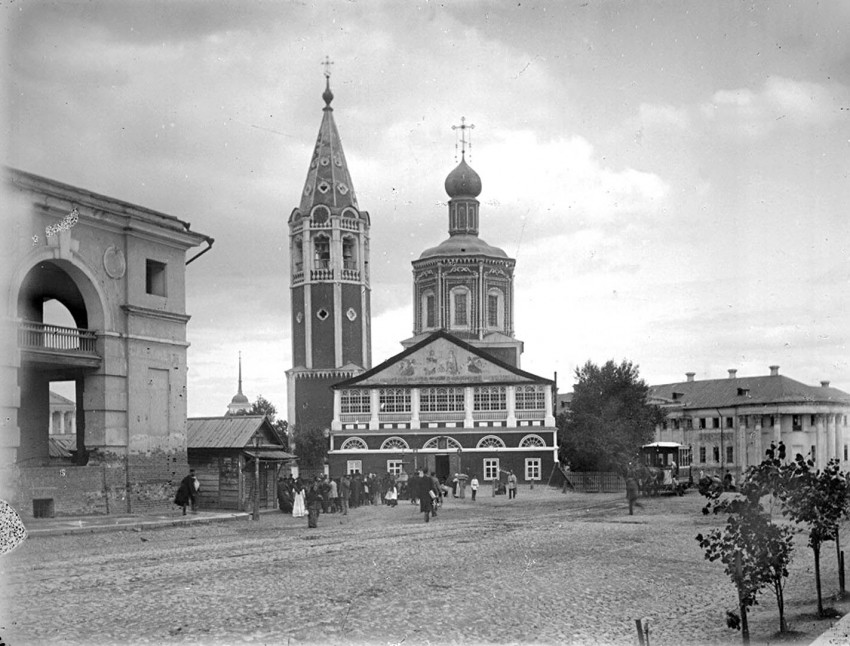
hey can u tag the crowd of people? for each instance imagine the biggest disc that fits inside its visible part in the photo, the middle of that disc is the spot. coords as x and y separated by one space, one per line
325 495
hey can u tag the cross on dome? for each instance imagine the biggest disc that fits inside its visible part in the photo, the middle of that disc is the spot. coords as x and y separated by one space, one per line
463 128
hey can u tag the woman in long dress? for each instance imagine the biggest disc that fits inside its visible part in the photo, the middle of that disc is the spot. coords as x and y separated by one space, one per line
298 508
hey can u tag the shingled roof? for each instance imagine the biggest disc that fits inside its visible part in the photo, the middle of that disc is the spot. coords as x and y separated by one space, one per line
228 432
745 391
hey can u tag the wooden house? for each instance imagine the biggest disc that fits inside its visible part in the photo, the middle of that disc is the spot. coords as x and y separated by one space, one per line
222 451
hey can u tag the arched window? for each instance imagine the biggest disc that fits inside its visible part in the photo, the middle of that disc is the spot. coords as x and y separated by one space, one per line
460 307
442 442
321 252
531 441
353 444
495 308
490 442
394 443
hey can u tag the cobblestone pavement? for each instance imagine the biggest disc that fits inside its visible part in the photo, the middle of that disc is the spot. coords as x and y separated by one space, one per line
546 568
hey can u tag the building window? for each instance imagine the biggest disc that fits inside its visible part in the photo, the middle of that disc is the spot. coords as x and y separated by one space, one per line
730 422
702 454
744 420
394 443
530 398
491 468
349 253
394 467
490 442
356 400
689 424
813 420
490 398
702 422
495 308
716 454
460 307
354 466
796 422
441 400
298 256
442 443
155 278
715 422
321 253
674 423
394 400
729 455
353 444
532 441
429 314
532 468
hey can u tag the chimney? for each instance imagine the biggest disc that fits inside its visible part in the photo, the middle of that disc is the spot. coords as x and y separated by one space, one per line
690 375
824 384
774 371
733 373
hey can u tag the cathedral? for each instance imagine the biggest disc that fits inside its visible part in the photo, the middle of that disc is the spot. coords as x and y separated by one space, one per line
455 400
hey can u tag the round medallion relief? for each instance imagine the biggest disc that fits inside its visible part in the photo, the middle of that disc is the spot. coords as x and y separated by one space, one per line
114 262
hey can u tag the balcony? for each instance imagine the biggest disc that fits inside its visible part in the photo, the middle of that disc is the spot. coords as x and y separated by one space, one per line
54 344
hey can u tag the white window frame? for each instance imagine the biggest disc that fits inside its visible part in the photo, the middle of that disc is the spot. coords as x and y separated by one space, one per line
490 398
354 465
530 397
385 445
355 400
429 294
468 309
395 467
442 399
533 467
490 468
500 308
348 444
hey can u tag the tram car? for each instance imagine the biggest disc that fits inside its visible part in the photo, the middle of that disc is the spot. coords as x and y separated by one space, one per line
665 468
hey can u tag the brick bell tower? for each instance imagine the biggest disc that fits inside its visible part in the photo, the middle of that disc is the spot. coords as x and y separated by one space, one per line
329 284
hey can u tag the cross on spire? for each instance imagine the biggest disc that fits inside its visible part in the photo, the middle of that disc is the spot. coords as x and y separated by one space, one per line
463 127
327 65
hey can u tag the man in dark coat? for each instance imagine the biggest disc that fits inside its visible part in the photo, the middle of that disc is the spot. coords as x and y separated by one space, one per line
344 493
313 502
420 487
187 492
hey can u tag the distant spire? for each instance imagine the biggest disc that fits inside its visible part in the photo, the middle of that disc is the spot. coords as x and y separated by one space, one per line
463 128
240 372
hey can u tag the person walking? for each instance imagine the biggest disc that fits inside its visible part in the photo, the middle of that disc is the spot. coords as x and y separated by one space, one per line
511 485
298 508
187 492
631 493
437 490
420 488
473 485
313 501
344 493
334 495
392 495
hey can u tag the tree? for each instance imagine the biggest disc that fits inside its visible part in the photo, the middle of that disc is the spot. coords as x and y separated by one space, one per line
755 551
818 499
263 406
311 446
609 418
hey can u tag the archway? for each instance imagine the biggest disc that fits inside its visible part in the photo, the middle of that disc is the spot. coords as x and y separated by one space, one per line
57 345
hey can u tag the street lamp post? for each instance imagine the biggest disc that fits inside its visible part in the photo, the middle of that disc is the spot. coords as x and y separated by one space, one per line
257 441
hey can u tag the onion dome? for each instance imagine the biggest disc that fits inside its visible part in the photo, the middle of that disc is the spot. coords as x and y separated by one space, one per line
463 181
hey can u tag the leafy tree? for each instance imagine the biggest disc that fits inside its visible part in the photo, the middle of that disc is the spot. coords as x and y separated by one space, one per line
754 550
818 499
263 406
311 446
609 418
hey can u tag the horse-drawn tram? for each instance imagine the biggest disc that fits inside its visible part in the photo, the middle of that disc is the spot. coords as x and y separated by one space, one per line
665 468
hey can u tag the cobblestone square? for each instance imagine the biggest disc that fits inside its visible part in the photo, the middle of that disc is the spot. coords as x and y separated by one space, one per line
546 568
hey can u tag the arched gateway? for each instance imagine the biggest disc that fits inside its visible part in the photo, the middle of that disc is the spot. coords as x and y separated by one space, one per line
118 271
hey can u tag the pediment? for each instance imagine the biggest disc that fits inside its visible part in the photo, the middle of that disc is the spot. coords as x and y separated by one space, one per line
441 361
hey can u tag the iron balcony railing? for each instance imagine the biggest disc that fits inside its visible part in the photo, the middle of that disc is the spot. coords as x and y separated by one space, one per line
42 336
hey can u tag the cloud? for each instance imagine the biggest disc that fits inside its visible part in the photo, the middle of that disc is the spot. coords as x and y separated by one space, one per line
780 102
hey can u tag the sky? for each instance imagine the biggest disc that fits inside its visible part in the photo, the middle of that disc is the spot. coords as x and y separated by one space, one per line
672 178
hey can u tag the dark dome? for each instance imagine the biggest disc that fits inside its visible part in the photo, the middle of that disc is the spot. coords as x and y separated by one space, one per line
463 245
463 181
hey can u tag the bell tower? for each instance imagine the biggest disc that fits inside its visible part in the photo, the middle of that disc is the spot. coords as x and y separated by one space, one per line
329 284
